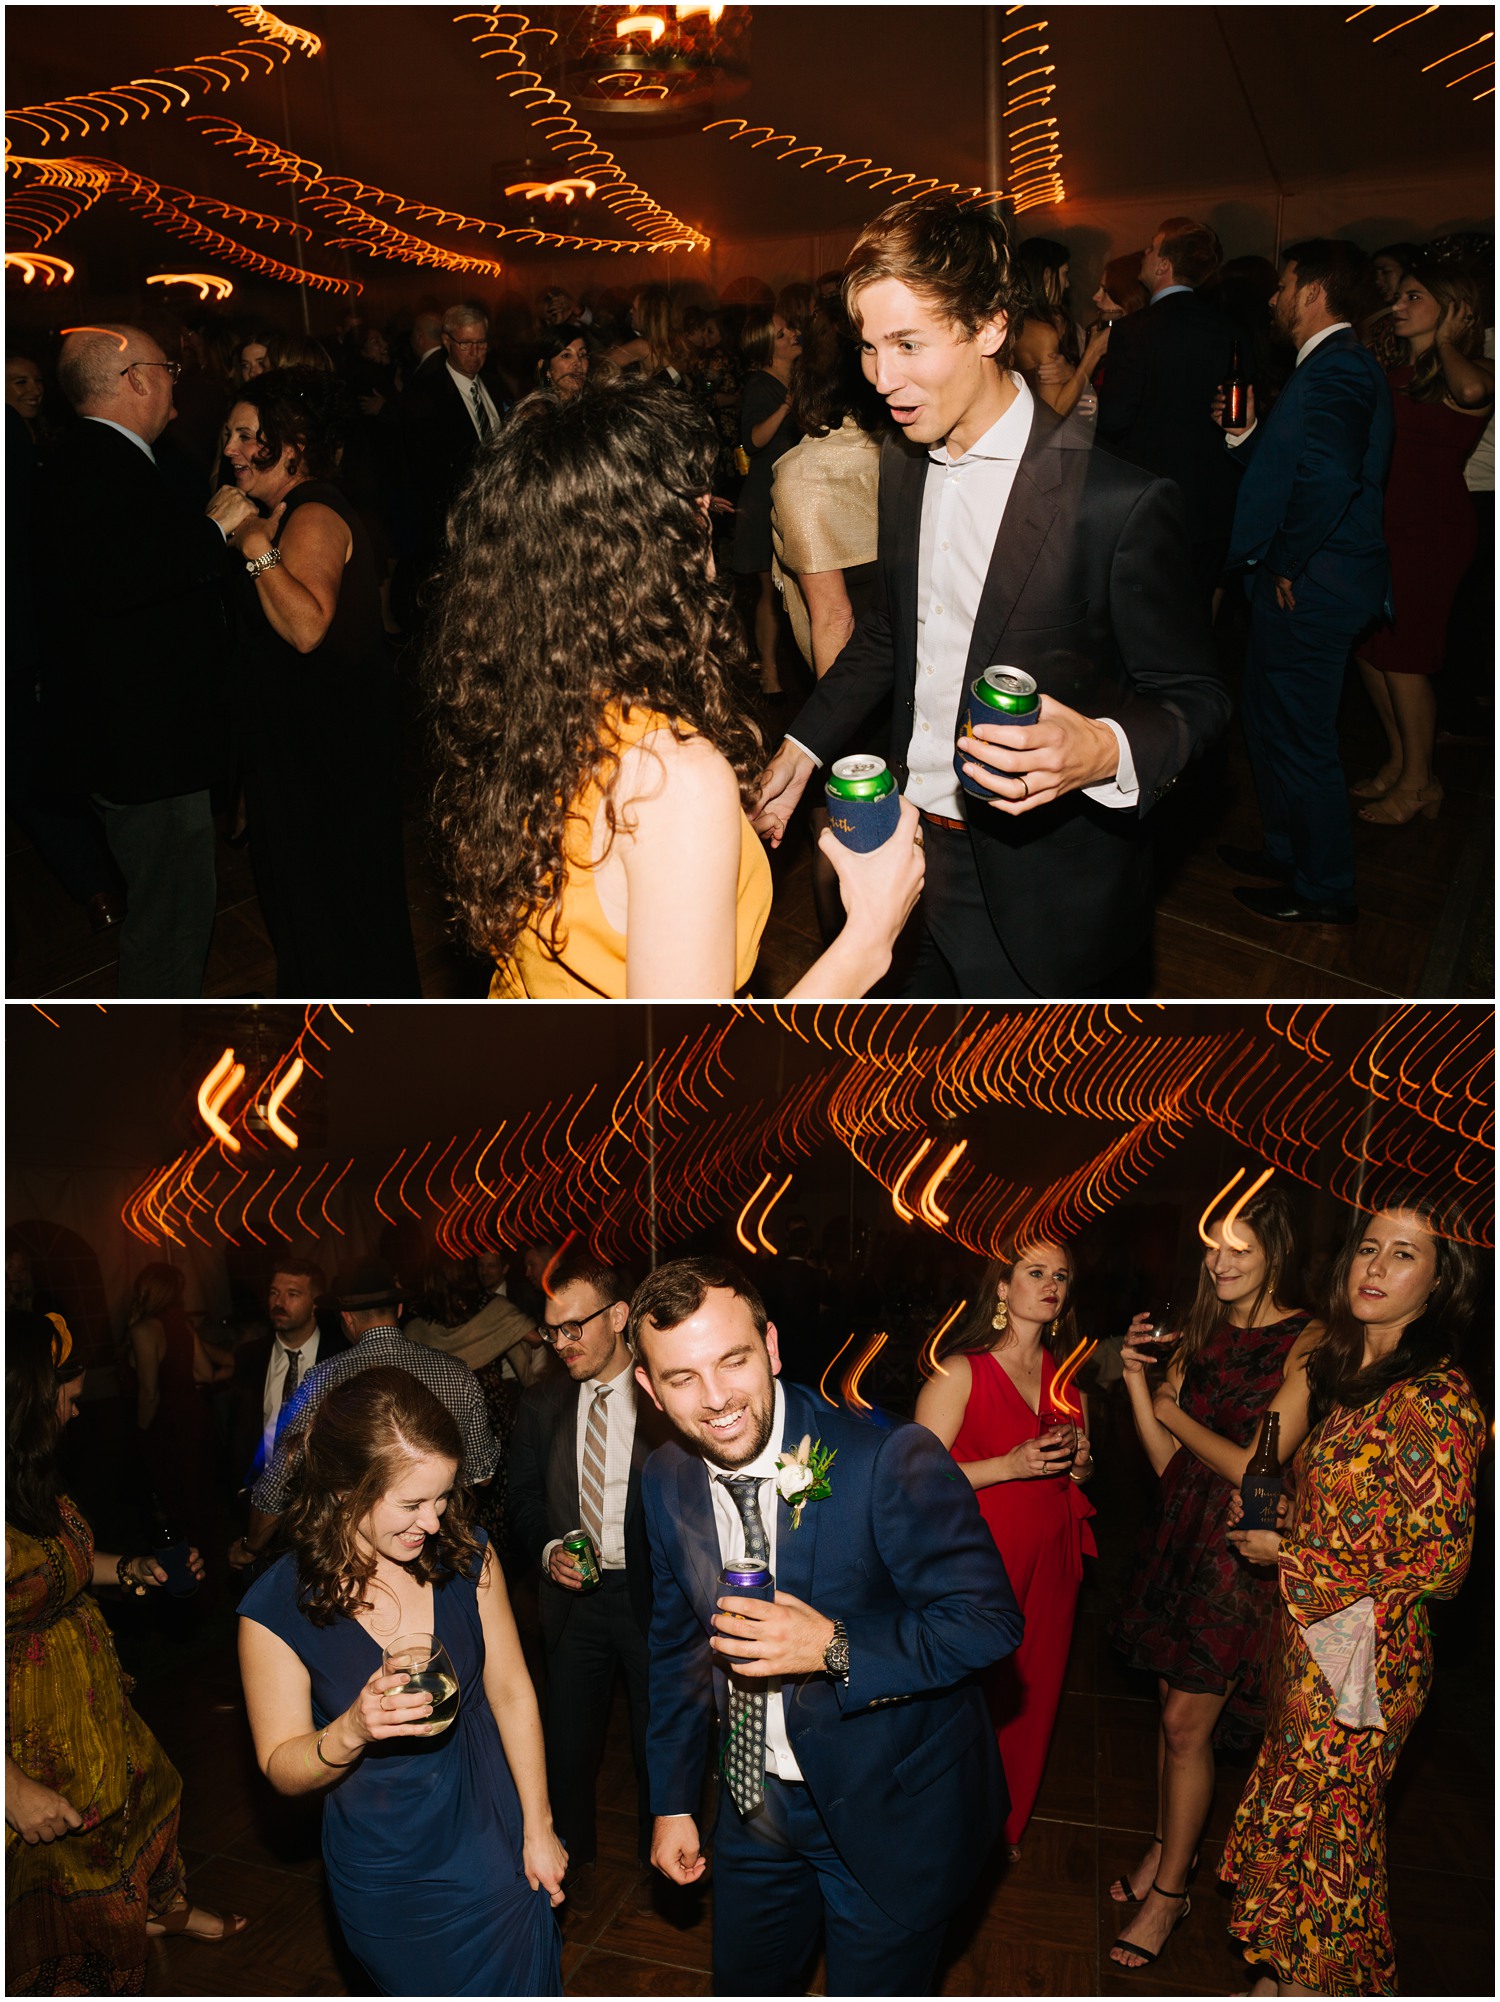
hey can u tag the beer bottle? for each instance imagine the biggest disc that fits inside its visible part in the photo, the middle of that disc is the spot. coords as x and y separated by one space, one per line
1260 1490
1234 395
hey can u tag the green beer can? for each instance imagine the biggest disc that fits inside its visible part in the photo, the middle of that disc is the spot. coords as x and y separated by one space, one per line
1000 695
580 1547
863 803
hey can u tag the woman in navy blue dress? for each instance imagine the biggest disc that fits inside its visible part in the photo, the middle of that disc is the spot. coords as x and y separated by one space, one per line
438 1843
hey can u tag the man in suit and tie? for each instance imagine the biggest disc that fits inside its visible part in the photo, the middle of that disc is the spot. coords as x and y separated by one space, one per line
1164 365
576 1457
1309 530
130 583
1005 538
861 1785
448 411
269 1371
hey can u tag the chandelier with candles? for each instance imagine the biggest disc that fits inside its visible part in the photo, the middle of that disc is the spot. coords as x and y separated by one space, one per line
651 62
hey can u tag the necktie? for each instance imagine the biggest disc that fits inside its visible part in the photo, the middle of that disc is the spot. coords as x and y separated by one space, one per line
288 1391
745 1750
481 415
591 1487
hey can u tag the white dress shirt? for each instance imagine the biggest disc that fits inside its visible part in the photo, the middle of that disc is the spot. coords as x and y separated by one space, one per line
619 1439
780 1758
466 385
276 1370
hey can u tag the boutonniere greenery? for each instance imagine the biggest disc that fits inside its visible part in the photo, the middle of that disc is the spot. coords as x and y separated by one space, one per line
802 1477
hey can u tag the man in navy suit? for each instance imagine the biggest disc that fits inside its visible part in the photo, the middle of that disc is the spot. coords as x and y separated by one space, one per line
1308 525
861 1786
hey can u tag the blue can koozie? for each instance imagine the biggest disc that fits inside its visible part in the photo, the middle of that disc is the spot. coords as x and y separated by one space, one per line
863 803
1000 695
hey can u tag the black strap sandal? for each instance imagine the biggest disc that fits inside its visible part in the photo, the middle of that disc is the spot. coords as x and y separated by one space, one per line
1120 1889
1144 1953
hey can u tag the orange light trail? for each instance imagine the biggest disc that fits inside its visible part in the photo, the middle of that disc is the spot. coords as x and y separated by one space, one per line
205 281
33 264
277 1099
927 1202
760 1228
851 1380
823 1379
222 1082
927 1361
846 167
1062 1381
739 1222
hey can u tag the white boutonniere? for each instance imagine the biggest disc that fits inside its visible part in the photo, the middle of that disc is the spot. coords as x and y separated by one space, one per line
802 1477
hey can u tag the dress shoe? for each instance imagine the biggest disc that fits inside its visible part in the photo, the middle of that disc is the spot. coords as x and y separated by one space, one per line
104 911
1285 907
580 1888
643 1897
1253 862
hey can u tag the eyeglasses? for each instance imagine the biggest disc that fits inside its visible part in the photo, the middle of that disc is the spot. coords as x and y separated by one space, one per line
173 368
569 1331
464 344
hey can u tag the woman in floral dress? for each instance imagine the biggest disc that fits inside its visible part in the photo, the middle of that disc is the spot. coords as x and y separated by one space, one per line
1193 1613
1383 1520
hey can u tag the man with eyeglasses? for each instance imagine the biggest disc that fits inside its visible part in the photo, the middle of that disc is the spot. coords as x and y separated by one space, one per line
130 585
445 417
575 1460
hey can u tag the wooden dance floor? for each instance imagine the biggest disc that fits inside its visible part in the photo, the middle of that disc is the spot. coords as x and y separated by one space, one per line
1042 1926
1426 893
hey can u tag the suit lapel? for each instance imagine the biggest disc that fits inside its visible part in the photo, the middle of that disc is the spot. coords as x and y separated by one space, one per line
903 476
700 1535
1024 527
796 1548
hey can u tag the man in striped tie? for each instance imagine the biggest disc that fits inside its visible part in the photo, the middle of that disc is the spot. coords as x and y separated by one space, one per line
575 1462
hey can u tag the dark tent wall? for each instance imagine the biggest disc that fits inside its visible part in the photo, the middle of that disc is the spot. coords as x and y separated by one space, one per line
1247 115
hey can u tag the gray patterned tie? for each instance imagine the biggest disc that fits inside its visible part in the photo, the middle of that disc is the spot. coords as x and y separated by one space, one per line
591 1489
481 415
745 1749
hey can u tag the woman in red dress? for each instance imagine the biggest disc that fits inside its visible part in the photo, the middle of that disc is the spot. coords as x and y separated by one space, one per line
987 1402
1194 1614
1442 396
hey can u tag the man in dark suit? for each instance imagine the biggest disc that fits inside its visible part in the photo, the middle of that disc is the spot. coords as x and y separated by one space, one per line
861 1785
130 582
448 410
1163 367
1004 538
576 1457
1309 529
270 1370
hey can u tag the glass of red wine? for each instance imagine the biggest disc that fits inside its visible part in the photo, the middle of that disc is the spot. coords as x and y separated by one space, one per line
1058 1429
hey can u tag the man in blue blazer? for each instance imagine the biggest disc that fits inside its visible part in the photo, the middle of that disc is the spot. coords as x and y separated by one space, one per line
1308 524
861 1788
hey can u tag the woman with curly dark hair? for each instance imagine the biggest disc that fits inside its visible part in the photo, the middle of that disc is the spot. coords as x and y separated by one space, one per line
437 1835
322 770
592 769
987 1400
1382 1523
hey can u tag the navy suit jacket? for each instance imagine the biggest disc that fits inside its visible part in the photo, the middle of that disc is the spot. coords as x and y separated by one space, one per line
901 1763
1311 504
1088 589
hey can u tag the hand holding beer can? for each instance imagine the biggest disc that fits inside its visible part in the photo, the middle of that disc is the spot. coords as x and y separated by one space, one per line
580 1547
864 806
1000 695
745 1581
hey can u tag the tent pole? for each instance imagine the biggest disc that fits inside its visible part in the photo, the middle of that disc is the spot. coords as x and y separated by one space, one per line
992 117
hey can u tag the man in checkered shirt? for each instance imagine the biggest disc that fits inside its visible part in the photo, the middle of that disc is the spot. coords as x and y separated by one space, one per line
369 1297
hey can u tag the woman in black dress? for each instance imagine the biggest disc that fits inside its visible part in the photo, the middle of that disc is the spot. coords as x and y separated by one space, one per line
769 347
319 712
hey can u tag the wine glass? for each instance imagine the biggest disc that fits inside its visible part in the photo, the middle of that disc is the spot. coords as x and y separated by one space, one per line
428 1667
1162 1335
1060 1430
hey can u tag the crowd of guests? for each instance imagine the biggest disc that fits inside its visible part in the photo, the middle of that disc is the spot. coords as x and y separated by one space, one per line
606 1447
540 567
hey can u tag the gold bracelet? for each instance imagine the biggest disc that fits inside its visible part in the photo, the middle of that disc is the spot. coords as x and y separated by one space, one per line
334 1765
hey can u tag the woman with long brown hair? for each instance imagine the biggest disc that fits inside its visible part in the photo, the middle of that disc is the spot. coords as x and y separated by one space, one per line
987 1400
1443 396
92 1867
592 764
437 1834
1193 1613
1382 1521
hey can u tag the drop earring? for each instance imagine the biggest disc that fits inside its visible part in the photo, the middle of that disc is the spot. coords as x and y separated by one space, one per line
1000 1320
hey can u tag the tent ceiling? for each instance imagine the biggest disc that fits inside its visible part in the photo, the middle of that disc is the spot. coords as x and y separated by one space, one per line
1148 101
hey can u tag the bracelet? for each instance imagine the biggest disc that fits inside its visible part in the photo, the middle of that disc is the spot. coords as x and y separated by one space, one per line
334 1765
131 1583
267 560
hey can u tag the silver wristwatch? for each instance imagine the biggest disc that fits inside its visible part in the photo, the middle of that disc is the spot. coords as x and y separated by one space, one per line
267 560
836 1654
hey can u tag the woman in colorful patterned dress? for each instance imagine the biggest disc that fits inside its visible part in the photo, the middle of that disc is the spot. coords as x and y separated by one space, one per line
91 1800
1382 1521
1194 1614
988 1404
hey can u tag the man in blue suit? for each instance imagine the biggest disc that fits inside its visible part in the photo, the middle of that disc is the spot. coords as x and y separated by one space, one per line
1309 523
861 1786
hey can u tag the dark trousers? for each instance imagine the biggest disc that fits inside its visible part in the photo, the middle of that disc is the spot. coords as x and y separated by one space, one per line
960 954
778 1880
164 849
1294 674
602 1634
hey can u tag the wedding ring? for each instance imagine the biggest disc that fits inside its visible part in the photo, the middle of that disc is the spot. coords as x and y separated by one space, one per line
918 839
1025 793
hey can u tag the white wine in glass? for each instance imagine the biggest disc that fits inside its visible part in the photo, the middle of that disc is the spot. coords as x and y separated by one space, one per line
428 1667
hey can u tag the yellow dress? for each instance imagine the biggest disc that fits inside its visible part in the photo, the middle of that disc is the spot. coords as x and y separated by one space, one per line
76 1908
590 964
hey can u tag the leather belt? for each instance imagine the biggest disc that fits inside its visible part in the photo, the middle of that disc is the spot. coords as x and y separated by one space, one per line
942 820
